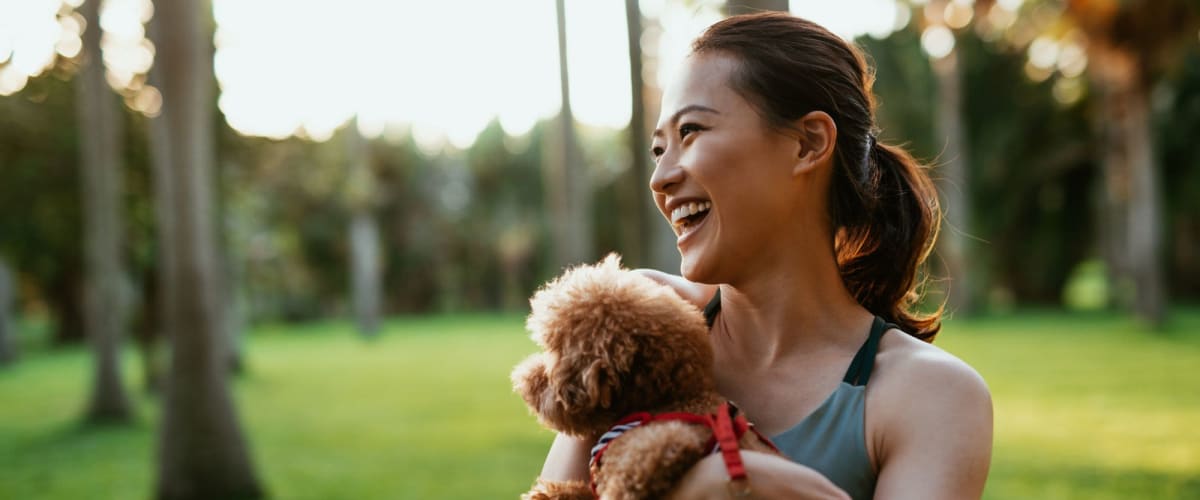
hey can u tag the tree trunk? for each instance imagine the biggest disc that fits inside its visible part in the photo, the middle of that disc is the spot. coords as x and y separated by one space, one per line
8 344
572 197
104 285
202 452
663 252
230 309
365 256
234 310
158 337
953 184
1133 246
735 7
648 231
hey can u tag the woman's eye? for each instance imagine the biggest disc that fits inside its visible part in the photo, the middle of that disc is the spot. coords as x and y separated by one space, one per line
688 128
657 151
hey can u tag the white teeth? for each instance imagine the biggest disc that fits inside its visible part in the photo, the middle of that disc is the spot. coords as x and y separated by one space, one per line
688 209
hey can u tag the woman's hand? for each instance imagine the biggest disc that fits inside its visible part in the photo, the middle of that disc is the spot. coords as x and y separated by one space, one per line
769 476
567 459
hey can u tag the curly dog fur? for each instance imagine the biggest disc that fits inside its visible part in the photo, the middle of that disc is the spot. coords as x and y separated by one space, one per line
616 342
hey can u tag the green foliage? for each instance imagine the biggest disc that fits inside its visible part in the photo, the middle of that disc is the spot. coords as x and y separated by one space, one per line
1178 103
1087 406
40 212
469 229
1031 178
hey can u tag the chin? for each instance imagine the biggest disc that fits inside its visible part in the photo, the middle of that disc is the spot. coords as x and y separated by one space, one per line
694 269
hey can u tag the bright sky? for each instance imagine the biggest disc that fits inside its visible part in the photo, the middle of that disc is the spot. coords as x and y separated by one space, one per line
444 68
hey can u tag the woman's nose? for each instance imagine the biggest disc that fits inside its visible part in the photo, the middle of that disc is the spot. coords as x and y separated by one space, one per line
667 174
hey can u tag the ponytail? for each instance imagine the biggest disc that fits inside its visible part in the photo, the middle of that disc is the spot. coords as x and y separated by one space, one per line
887 221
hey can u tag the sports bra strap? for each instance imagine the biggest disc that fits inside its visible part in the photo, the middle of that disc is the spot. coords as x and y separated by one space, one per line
864 360
713 307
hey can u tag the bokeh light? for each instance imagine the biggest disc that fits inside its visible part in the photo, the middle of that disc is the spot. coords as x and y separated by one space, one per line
937 41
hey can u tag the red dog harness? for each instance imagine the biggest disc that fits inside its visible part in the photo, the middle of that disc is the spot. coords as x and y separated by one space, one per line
727 424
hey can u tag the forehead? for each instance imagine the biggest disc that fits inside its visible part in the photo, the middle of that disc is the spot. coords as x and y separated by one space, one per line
702 79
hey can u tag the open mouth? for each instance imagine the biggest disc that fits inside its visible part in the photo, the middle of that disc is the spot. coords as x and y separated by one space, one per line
689 215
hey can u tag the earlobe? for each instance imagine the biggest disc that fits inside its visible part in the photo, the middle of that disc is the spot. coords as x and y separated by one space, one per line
816 137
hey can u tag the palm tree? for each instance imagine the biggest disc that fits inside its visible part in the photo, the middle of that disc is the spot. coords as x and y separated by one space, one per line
105 289
365 255
158 142
202 452
952 178
569 186
1127 43
640 212
655 242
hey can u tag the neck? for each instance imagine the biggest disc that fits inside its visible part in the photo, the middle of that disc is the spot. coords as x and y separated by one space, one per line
794 304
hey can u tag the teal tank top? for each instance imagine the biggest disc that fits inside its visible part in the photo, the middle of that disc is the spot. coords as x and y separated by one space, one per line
832 439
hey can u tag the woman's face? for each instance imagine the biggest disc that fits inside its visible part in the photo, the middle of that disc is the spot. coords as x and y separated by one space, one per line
723 178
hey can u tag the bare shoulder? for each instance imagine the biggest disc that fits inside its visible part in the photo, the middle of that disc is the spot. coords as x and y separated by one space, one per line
906 362
696 293
917 380
929 420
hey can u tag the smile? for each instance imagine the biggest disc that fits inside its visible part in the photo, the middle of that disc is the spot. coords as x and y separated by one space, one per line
689 215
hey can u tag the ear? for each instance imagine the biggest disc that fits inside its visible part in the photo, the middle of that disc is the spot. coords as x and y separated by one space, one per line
531 381
593 377
816 138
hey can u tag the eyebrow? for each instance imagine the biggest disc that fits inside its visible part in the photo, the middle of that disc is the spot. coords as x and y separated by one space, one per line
686 109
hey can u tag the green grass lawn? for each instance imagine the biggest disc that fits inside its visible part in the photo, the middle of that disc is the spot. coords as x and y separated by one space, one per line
1087 406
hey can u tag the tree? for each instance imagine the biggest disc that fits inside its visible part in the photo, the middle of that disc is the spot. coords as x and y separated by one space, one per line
952 179
365 269
8 345
569 186
654 241
640 210
1127 42
159 145
105 288
202 452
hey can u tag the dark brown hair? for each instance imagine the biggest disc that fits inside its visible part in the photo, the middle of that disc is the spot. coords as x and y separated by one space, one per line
882 204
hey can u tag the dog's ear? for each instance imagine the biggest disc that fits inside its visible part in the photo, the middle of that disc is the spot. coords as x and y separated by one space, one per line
591 379
566 395
531 381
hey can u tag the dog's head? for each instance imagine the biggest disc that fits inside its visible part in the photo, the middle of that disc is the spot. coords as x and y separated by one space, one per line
614 342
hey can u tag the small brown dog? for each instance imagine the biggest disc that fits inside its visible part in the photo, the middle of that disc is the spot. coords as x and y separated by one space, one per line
616 342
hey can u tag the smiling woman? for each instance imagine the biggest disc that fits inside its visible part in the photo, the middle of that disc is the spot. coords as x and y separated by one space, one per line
801 236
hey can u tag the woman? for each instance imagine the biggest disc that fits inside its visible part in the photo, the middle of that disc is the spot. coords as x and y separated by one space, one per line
771 176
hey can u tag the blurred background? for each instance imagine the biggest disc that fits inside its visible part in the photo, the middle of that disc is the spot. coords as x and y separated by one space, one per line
283 248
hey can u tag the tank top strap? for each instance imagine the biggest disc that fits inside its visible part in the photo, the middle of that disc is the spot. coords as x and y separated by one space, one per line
713 307
859 371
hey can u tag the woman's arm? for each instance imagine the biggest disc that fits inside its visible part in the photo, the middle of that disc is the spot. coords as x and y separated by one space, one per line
567 459
935 438
770 476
